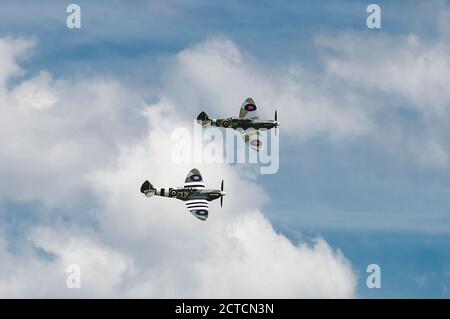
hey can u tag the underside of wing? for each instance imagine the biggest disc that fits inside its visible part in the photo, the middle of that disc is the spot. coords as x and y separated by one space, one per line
194 179
253 139
249 111
198 208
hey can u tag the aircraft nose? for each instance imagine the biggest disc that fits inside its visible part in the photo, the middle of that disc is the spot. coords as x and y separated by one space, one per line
223 193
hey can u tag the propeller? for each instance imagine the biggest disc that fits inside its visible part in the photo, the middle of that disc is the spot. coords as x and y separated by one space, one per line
221 194
276 122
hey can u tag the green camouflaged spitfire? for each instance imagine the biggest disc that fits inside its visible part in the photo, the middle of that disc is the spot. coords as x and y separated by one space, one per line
248 123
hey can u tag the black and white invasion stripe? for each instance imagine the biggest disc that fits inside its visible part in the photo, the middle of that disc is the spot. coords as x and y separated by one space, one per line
194 185
198 208
166 192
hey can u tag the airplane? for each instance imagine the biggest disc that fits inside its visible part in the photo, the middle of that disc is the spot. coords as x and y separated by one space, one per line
248 122
193 193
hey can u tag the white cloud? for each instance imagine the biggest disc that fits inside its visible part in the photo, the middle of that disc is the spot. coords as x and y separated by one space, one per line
233 256
258 257
25 275
408 67
35 94
10 50
53 132
365 80
63 139
218 76
392 74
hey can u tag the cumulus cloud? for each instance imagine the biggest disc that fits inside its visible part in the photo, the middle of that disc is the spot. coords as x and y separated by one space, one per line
232 256
54 131
216 74
30 275
392 74
65 138
255 251
78 149
10 50
367 82
407 66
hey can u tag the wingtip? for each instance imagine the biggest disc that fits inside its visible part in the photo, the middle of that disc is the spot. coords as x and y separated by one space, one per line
256 145
256 148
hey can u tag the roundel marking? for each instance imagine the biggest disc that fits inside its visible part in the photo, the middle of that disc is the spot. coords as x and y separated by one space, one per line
196 177
201 212
225 123
250 107
256 142
173 192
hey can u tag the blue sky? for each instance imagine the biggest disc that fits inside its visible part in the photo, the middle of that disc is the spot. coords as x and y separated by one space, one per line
374 202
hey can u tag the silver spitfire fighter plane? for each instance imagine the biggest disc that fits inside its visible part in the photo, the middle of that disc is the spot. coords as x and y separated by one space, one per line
248 122
193 193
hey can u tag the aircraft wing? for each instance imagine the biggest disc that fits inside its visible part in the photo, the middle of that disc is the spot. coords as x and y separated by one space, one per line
198 208
253 139
194 179
249 111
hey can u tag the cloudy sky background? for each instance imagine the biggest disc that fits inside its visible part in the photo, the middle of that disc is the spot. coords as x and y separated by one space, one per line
364 161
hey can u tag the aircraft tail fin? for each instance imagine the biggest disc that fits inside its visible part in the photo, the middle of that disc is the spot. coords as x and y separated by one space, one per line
148 189
203 119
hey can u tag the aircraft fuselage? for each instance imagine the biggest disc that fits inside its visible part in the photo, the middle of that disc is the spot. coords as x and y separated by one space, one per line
244 123
189 193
